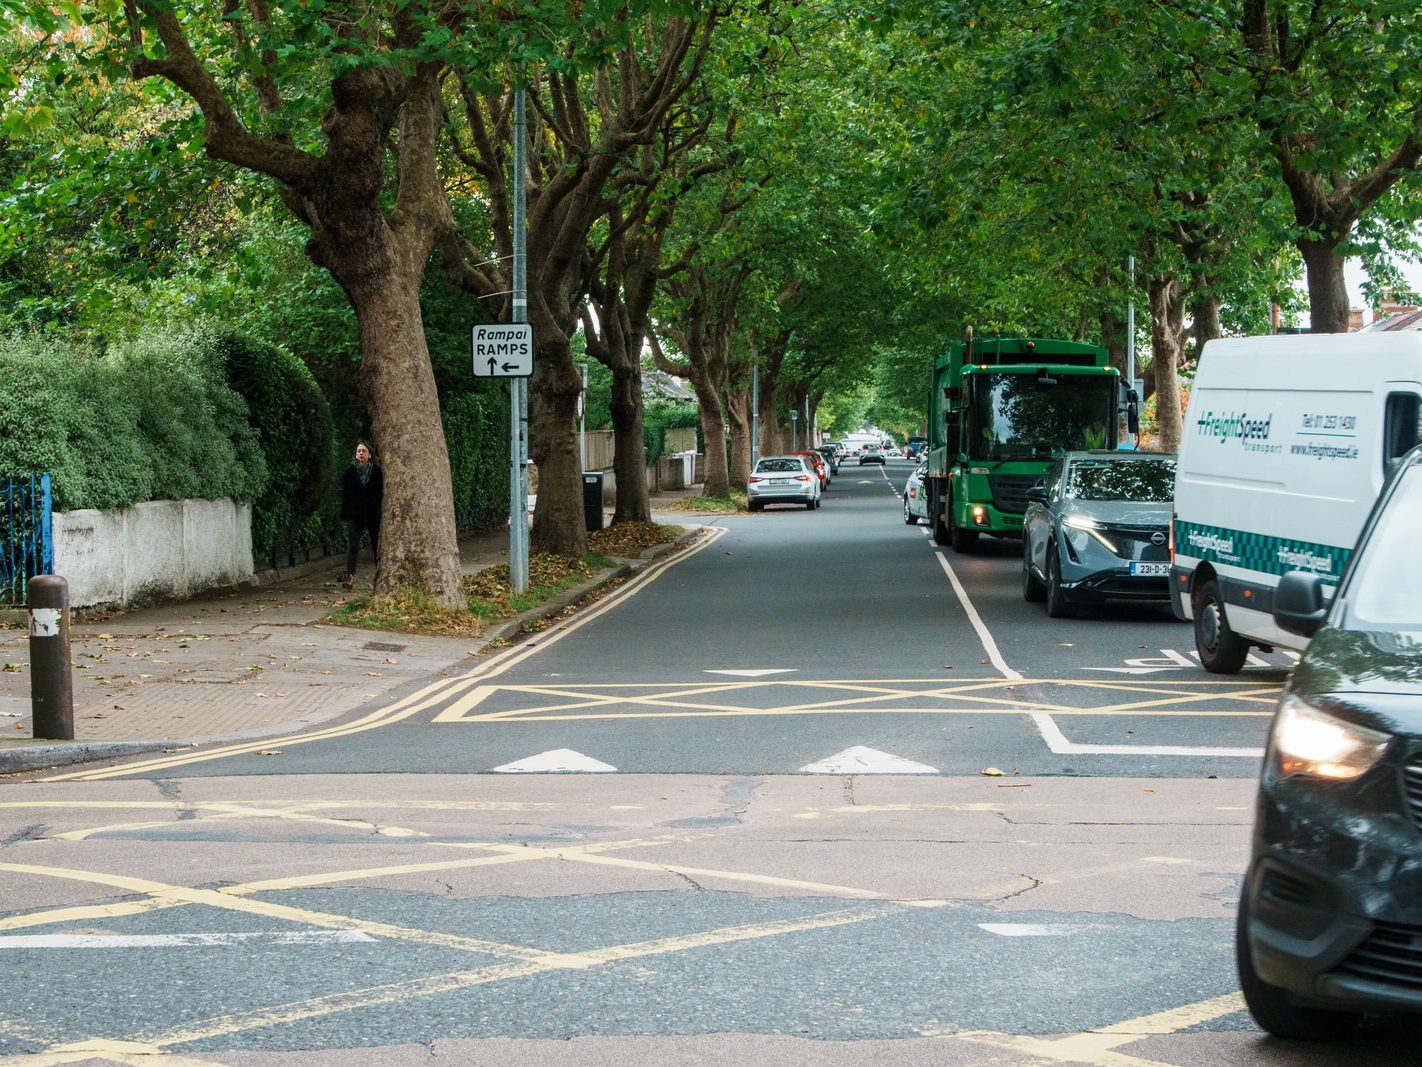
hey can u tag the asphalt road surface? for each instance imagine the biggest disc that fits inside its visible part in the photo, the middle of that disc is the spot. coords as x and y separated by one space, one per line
811 791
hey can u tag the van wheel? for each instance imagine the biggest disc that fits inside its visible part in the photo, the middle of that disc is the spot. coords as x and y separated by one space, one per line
1057 605
1277 1010
910 519
1222 651
1033 591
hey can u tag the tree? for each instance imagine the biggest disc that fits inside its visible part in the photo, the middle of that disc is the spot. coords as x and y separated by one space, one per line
586 128
374 212
1338 94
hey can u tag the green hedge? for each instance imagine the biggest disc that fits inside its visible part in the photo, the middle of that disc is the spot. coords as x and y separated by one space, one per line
293 427
476 428
151 419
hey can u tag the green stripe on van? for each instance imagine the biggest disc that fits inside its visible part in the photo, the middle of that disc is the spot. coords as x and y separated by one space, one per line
1259 552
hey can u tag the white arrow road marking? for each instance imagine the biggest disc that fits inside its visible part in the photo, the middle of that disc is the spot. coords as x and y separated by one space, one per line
757 673
861 760
274 937
1029 929
557 761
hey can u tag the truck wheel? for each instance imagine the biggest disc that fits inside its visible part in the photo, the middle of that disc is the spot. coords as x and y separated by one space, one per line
1033 591
1222 651
1275 1009
963 540
1057 604
941 536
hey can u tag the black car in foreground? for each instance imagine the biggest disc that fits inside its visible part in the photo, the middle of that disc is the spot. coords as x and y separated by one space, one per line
1330 918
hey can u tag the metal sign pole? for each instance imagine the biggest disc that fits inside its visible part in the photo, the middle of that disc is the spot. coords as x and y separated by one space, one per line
1131 333
518 390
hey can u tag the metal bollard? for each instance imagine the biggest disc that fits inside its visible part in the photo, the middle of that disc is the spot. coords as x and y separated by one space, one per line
51 674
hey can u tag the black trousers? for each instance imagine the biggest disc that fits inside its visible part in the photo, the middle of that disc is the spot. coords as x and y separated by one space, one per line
354 529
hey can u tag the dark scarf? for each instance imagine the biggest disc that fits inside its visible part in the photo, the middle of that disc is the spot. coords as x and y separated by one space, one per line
363 472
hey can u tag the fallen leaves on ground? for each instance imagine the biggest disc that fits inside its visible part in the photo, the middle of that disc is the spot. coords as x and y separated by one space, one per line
628 539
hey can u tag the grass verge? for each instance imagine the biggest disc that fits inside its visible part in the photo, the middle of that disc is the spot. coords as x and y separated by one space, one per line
489 594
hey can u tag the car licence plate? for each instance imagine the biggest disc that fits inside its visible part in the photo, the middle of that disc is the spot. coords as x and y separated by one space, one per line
1151 570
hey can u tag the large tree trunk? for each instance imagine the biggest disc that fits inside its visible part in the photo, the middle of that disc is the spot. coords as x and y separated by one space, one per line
558 525
1327 292
738 410
1207 321
713 430
629 459
1167 337
418 546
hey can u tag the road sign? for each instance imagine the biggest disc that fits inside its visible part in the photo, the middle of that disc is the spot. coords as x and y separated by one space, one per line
503 351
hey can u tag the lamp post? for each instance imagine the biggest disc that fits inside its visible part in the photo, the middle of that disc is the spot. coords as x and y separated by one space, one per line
794 438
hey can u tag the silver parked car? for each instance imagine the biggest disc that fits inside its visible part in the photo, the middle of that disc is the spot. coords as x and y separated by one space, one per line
915 499
782 480
1098 528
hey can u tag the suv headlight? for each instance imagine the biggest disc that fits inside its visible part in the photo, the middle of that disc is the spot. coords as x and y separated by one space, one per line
1091 528
1309 741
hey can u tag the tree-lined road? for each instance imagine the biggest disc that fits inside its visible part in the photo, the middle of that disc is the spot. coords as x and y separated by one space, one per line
733 876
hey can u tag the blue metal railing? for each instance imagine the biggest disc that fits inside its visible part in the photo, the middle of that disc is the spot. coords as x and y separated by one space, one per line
26 535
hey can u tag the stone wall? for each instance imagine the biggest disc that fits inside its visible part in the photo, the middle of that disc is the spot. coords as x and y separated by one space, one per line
158 550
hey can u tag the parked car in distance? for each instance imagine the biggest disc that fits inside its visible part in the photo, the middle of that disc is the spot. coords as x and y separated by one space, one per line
818 465
1330 916
1098 528
782 480
915 500
831 457
871 454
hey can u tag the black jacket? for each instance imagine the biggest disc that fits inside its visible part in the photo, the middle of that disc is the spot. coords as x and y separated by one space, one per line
362 502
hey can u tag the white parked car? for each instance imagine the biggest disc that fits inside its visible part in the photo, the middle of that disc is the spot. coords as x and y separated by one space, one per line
915 499
782 480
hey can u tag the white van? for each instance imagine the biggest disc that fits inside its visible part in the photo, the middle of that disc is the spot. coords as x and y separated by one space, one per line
1286 443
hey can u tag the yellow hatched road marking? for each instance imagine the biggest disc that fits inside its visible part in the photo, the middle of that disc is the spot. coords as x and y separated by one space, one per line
1099 1046
422 699
671 700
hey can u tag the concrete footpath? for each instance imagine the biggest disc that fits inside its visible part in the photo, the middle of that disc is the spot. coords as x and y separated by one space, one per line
246 663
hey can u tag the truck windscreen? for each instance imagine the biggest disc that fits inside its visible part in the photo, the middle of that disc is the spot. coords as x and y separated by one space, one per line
1026 415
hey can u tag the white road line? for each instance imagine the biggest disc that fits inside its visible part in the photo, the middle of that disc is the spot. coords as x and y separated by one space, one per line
1058 743
989 645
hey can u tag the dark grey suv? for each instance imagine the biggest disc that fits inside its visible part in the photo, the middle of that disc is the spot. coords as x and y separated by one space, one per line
1098 528
1330 919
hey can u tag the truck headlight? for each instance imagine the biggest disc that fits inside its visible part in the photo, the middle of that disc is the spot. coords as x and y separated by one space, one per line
1311 742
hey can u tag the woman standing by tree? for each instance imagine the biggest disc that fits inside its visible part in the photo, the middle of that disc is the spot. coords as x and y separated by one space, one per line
362 487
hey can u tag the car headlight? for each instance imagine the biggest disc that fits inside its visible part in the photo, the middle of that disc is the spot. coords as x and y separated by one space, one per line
1089 526
1309 741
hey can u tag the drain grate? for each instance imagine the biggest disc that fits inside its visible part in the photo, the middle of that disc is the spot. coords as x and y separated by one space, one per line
382 646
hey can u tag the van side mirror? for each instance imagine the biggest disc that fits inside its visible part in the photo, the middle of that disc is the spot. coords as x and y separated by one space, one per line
1298 603
1037 494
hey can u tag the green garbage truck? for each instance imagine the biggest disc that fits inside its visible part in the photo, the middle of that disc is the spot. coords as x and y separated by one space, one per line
1000 412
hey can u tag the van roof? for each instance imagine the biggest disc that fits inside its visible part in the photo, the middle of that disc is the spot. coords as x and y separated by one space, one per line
1274 362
